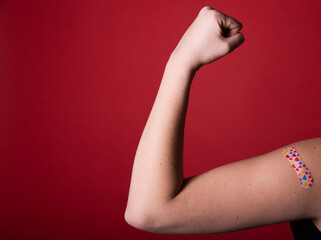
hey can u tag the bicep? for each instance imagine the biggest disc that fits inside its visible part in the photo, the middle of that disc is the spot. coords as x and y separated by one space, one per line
254 192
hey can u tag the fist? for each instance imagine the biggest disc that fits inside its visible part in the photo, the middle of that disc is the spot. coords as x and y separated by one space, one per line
211 36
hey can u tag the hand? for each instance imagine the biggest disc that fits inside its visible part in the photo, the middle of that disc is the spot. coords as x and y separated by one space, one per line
211 36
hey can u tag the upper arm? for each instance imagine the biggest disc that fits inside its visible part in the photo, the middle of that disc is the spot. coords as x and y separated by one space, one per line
254 192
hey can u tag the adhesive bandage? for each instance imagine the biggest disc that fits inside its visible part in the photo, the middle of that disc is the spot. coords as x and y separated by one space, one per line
299 166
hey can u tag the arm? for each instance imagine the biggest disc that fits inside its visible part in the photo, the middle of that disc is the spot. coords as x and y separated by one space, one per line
158 169
160 200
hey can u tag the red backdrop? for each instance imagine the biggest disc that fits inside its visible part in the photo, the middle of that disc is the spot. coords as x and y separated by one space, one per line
77 82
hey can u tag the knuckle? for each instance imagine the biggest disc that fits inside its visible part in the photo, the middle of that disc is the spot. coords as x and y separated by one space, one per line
217 14
206 9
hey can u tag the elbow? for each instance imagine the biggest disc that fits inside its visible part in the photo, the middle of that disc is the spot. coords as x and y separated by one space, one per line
143 221
134 220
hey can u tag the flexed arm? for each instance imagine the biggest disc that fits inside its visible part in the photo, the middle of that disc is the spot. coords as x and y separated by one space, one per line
157 175
252 192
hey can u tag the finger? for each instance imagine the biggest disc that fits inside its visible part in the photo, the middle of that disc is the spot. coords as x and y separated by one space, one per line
235 41
233 26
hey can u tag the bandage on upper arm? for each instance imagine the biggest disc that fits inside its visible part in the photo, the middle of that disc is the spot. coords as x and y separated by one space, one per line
302 171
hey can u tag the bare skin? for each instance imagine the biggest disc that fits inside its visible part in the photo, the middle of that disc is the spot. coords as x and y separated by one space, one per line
224 199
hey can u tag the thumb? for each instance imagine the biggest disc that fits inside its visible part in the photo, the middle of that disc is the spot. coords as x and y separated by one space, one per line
234 41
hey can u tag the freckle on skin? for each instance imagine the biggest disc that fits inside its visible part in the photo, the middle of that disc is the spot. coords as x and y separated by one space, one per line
249 184
313 147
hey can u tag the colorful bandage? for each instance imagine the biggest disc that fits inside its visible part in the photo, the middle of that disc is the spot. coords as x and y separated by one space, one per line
301 169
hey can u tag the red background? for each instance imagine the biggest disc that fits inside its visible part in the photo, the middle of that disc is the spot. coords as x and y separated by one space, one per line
77 82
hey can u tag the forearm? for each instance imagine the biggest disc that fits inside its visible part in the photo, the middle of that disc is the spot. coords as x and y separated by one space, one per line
158 168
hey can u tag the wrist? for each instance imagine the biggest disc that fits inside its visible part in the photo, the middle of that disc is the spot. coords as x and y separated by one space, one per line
179 71
183 61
